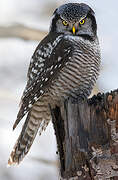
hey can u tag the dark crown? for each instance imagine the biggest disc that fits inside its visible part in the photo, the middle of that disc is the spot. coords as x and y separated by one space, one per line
74 11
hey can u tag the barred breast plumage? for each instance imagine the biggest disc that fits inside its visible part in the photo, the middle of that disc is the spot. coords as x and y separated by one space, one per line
79 75
65 63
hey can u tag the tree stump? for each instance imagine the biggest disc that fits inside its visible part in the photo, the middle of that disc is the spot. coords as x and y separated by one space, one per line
87 138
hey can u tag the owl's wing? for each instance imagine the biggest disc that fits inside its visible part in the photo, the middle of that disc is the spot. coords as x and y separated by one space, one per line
48 59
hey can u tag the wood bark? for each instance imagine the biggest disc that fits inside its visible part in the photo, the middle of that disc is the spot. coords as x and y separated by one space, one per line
87 138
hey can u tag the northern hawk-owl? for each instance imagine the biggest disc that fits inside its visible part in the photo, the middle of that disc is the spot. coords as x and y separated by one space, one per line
65 63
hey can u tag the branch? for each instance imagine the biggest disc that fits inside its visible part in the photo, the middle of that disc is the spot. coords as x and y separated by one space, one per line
45 161
87 137
21 31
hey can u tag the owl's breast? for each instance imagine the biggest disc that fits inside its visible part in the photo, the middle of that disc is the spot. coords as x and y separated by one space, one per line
79 74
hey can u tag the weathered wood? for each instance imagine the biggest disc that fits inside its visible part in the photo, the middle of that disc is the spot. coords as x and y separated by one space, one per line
87 137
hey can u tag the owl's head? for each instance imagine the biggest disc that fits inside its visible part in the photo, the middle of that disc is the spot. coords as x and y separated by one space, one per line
74 19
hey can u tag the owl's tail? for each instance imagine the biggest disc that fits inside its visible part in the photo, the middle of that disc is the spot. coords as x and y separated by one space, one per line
34 122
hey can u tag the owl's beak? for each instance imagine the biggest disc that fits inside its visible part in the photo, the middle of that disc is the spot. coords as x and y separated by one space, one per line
73 30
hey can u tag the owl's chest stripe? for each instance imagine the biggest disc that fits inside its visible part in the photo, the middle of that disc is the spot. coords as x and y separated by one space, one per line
71 77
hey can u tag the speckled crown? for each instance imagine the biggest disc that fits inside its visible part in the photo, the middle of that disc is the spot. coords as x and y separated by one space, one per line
73 11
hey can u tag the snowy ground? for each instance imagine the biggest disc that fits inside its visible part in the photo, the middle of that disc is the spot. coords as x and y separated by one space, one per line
14 59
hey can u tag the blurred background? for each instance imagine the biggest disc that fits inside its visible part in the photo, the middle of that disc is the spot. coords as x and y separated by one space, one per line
22 25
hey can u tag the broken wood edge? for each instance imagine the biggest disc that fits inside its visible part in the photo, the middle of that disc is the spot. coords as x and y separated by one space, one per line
100 158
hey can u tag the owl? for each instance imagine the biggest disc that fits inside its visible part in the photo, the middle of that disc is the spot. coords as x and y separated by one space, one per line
65 64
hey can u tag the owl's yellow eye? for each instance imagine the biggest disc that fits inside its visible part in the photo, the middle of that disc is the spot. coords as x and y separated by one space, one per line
82 21
65 23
